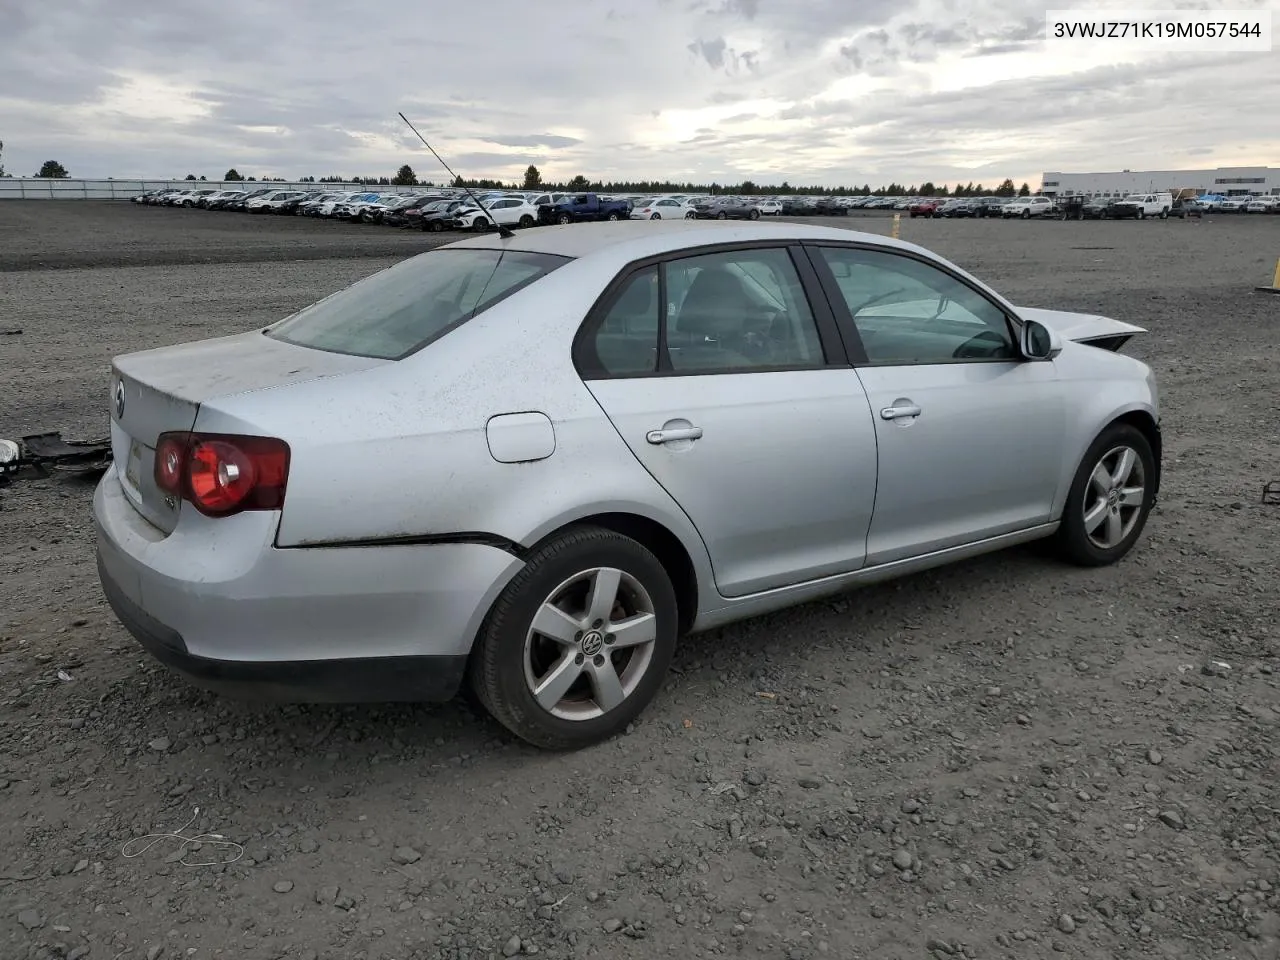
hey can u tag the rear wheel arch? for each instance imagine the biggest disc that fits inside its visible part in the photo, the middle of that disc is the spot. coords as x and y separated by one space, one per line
659 541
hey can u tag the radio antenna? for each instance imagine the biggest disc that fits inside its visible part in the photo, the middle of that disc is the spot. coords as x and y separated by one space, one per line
503 231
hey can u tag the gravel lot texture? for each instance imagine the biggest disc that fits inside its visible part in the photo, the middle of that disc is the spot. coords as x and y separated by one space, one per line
1008 758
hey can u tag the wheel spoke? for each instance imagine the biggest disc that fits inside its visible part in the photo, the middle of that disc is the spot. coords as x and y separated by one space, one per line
605 686
634 631
1124 467
1100 480
1115 528
555 624
604 591
1093 519
1132 496
552 688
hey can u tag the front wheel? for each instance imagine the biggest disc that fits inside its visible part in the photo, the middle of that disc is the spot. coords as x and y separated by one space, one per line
691 215
1026 214
1110 498
655 216
579 642
722 215
526 221
755 214
563 219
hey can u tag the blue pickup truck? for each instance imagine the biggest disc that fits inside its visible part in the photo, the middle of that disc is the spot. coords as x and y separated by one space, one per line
581 207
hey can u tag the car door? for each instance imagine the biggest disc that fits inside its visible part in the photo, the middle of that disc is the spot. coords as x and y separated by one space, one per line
729 385
970 436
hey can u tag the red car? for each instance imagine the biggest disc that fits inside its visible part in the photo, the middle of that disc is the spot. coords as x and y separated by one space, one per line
925 208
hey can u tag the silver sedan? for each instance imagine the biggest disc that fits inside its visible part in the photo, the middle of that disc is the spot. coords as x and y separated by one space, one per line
531 464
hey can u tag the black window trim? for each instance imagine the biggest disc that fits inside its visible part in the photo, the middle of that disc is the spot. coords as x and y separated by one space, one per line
848 327
588 365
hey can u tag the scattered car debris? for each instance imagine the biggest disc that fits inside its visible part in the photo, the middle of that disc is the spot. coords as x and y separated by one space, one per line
11 332
44 454
1271 492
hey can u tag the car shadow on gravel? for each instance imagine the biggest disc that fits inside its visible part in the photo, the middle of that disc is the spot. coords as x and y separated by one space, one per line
713 674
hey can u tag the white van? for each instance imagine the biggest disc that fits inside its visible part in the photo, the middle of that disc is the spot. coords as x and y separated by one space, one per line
1150 204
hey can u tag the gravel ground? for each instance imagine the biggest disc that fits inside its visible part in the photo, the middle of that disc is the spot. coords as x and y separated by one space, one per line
1004 759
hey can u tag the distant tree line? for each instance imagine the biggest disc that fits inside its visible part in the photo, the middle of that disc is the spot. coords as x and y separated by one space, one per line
405 177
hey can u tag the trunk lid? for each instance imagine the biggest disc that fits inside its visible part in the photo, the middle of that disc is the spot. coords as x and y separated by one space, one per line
161 390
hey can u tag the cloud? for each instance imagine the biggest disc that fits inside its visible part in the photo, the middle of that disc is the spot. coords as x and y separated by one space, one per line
825 91
549 140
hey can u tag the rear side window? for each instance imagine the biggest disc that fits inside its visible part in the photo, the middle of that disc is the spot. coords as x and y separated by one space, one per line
400 310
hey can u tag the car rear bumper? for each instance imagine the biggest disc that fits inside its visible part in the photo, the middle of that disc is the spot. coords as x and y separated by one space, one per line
233 613
346 680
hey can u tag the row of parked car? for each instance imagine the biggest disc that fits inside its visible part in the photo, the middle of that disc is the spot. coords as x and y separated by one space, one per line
1136 206
455 209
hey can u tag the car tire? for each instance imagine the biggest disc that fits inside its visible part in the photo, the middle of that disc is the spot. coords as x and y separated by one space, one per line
655 216
1088 498
527 221
437 226
691 215
1026 214
1164 213
722 215
511 660
564 219
1140 215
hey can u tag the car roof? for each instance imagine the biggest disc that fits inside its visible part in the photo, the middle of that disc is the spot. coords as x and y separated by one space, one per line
658 237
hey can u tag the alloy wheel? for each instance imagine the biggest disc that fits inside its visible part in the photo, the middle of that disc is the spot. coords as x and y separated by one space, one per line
590 644
1114 497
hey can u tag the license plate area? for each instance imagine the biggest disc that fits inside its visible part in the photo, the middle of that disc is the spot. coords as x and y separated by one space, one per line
133 467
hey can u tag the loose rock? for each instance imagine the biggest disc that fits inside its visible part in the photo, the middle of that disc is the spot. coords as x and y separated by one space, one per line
406 855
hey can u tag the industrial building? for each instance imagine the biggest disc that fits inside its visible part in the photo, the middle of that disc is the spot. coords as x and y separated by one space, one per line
1227 181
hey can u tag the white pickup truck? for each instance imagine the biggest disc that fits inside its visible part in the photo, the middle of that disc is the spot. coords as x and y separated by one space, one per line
1142 205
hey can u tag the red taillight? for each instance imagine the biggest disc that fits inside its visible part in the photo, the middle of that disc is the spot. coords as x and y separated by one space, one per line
222 474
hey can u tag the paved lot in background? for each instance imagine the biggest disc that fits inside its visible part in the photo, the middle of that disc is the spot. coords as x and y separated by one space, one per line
1007 758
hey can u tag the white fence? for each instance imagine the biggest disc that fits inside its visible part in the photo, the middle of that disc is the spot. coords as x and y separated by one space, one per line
31 188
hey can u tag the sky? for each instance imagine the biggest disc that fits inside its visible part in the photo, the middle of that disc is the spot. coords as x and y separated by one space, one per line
830 92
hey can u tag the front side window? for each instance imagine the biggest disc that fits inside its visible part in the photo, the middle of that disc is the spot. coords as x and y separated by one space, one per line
393 313
906 311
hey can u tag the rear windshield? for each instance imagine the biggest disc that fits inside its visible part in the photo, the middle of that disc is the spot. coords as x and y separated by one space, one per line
401 309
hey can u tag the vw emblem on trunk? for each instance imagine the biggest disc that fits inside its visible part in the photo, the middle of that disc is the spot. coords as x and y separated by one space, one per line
119 399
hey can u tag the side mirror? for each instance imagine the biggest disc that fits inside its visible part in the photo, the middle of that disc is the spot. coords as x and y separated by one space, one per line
1039 342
